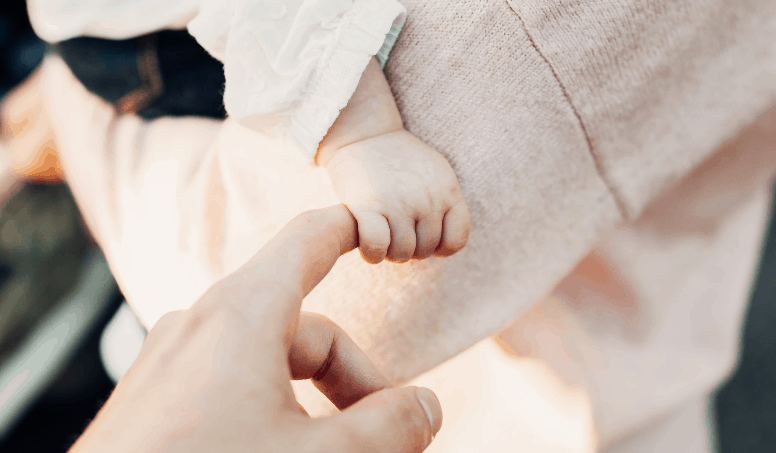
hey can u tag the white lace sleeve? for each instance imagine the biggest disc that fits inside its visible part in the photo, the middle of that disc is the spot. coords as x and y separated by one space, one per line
292 65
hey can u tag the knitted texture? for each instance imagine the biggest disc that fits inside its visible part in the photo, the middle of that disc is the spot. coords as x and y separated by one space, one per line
559 118
658 85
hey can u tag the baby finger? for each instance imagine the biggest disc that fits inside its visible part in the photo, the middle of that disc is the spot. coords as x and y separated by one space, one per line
429 233
402 239
374 236
455 230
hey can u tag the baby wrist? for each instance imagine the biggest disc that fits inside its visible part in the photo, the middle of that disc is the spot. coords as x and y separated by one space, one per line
370 112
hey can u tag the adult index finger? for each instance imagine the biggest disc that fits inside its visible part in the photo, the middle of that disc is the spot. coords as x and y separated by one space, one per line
266 292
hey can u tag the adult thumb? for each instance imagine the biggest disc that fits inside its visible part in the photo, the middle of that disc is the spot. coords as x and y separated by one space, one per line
397 420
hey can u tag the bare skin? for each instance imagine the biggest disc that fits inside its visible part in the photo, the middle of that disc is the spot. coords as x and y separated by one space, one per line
403 193
216 377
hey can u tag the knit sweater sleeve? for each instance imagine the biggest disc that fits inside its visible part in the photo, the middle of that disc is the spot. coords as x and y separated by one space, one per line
292 65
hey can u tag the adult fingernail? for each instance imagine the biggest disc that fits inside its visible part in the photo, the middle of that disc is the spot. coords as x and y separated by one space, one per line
431 406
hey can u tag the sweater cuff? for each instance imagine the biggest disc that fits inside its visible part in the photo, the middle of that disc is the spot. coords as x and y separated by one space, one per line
384 53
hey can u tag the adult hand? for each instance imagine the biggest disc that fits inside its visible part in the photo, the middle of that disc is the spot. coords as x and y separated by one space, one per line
216 377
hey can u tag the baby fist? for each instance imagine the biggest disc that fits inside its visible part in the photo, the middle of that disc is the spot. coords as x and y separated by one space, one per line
404 196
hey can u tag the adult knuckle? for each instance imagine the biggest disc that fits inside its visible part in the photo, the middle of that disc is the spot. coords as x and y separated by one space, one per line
168 319
163 327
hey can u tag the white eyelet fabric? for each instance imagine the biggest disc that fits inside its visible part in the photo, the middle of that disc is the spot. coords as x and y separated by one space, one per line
290 65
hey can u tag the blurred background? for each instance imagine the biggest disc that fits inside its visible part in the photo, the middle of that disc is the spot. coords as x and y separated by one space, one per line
56 293
57 297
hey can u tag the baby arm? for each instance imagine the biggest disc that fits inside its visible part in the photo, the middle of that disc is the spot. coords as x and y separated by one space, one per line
403 194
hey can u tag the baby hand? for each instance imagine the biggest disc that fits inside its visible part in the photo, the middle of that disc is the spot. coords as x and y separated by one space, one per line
404 196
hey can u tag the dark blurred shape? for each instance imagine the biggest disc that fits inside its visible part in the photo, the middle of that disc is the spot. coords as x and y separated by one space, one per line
59 417
746 404
41 239
20 49
43 243
24 56
166 73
